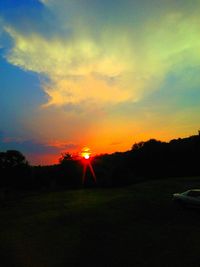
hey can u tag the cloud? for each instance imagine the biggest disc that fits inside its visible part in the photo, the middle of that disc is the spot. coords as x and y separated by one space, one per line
69 65
104 66
37 152
44 1
121 65
34 147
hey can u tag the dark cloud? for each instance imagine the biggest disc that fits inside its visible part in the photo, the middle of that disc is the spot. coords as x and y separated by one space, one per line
1 137
32 146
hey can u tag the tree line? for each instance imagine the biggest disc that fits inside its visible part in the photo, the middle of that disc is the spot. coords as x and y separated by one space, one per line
145 160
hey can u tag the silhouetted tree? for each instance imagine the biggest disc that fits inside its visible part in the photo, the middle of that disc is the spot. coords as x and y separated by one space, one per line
146 160
11 159
65 157
70 171
14 169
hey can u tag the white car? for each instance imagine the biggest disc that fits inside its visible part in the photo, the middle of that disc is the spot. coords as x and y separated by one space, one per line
189 198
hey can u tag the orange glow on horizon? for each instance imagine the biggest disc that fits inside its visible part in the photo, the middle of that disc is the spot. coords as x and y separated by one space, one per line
102 142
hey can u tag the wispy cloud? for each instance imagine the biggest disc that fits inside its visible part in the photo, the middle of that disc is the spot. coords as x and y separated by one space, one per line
34 147
37 152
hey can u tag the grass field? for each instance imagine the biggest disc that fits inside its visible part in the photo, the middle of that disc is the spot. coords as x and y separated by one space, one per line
130 226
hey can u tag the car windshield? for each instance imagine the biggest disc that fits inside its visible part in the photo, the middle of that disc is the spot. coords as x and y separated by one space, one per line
193 193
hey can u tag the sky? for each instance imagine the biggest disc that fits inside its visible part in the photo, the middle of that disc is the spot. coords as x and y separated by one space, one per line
98 73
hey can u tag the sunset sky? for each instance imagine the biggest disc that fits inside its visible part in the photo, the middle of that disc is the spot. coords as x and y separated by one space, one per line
98 73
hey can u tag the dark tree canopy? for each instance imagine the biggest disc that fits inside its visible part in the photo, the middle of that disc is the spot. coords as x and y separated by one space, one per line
146 160
65 157
14 170
12 158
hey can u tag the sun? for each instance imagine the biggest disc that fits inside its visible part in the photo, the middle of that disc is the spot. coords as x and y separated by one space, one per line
86 153
86 156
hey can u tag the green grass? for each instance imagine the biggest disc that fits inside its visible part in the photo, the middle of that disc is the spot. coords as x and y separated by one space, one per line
131 226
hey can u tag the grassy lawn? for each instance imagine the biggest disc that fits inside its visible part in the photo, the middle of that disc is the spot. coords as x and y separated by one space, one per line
130 226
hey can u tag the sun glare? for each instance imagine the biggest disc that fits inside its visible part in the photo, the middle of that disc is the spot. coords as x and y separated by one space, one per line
86 156
87 163
86 153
